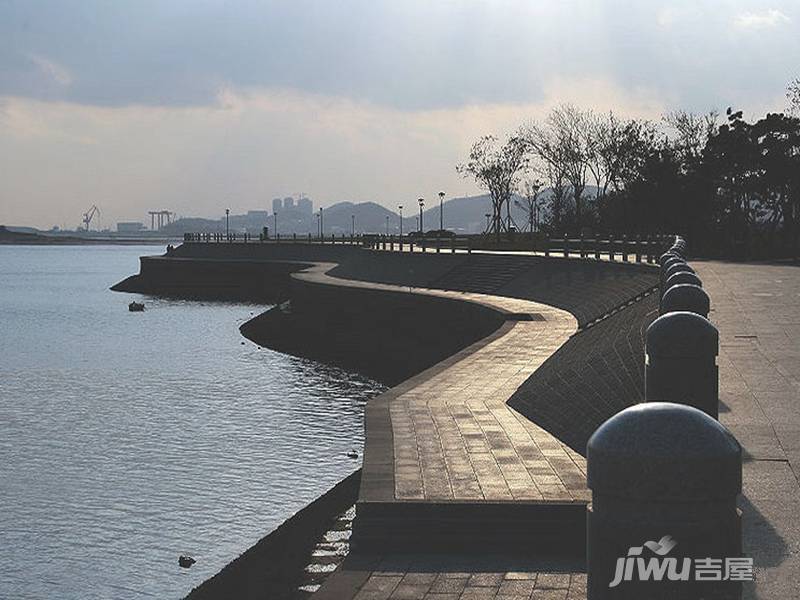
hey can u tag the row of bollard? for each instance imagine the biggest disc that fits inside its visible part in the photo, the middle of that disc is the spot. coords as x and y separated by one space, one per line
665 475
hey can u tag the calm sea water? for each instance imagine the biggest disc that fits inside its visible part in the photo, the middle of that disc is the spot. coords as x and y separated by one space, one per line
127 439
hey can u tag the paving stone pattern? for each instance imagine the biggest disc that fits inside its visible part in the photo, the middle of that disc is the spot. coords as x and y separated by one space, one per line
595 374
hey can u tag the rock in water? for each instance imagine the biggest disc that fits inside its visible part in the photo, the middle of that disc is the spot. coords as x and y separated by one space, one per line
186 561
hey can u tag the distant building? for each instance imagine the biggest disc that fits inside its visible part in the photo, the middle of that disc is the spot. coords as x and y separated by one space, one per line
277 205
288 203
305 205
257 214
130 227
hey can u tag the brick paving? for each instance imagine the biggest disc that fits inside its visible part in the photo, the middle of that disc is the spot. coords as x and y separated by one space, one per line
598 372
454 436
756 308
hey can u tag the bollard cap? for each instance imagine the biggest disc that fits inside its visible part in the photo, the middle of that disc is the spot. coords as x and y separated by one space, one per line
674 260
686 297
683 277
666 256
678 267
682 335
664 452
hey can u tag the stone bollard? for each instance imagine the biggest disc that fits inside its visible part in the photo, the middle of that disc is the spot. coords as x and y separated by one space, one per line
679 278
666 256
686 297
677 267
668 263
664 481
681 363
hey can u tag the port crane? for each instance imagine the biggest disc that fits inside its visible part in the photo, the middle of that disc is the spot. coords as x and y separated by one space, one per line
89 215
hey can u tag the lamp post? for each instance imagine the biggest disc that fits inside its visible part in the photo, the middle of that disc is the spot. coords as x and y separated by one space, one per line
387 225
321 224
227 223
275 223
441 211
401 221
487 215
353 229
318 229
421 206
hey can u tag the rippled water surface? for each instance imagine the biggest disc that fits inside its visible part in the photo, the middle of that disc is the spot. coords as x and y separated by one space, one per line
127 439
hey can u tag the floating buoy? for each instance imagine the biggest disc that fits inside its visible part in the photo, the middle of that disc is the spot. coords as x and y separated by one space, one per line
186 561
352 454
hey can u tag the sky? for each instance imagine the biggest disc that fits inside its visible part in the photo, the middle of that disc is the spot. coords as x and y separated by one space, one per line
196 106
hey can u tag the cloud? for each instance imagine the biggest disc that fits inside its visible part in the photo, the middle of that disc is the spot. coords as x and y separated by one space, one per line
51 70
250 146
760 20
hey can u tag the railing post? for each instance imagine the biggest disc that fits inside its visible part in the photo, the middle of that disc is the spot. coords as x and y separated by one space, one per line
566 246
611 248
438 243
638 247
582 246
625 247
686 297
665 480
452 244
546 241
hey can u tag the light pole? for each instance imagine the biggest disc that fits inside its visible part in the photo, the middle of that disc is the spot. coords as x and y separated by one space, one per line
487 215
353 229
421 206
275 223
441 211
318 229
321 224
387 225
227 223
401 221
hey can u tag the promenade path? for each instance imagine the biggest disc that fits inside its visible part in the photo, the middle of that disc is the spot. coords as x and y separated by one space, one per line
756 308
453 437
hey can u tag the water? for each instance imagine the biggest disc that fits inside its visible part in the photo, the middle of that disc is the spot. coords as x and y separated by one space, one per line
127 439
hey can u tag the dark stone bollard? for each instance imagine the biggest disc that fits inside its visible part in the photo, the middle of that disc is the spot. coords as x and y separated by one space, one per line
668 264
666 256
682 277
681 365
686 297
664 481
677 267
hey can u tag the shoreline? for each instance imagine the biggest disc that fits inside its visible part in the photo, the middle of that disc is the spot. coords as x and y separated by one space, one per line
326 323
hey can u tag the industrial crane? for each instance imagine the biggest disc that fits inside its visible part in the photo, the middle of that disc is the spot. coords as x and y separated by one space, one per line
89 215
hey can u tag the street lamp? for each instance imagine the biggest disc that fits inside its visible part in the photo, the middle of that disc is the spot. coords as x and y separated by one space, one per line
421 206
441 211
401 221
227 223
353 230
321 224
387 225
487 215
318 229
275 223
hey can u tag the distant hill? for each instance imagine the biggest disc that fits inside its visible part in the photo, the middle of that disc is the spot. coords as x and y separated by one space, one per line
462 215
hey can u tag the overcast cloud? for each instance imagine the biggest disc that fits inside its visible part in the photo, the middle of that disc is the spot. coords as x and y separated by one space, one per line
175 103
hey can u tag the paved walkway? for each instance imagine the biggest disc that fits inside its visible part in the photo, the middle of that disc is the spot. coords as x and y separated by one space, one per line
757 310
454 438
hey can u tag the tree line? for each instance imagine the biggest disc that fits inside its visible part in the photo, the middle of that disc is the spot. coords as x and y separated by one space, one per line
731 185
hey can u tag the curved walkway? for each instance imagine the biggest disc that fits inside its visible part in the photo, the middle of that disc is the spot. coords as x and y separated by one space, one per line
448 436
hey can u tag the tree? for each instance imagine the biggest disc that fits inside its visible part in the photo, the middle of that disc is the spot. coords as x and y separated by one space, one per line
531 189
793 95
497 169
565 144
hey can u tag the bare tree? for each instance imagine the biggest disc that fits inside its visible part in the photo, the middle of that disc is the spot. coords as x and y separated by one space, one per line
564 143
531 190
793 95
691 132
497 169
